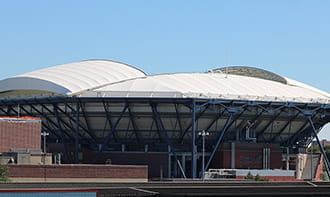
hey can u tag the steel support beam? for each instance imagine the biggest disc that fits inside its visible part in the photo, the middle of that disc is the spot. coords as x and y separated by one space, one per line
4 111
55 113
193 141
92 135
196 119
43 125
325 158
160 124
213 121
178 119
299 132
154 122
222 134
285 126
107 139
268 124
89 129
107 113
11 109
71 119
234 110
76 152
59 126
255 118
134 124
47 118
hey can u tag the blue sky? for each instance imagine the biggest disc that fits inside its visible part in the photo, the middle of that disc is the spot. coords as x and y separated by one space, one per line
291 38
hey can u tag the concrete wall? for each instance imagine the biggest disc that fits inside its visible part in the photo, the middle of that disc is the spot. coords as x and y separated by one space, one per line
41 158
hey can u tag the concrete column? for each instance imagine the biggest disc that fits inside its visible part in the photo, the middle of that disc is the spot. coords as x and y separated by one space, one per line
169 167
287 159
146 148
233 154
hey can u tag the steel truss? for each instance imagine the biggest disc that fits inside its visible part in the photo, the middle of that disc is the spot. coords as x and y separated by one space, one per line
102 124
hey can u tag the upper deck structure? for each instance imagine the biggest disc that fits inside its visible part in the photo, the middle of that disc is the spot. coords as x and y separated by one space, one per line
105 106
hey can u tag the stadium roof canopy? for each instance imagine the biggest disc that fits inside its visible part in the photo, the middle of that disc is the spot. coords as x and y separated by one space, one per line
72 78
104 78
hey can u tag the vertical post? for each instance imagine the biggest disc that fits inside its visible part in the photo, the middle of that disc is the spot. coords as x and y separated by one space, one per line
203 134
287 159
193 141
183 161
222 133
169 165
44 134
18 111
233 154
203 156
266 158
76 159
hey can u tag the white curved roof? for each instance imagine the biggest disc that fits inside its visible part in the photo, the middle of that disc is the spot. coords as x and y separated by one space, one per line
213 85
103 78
72 78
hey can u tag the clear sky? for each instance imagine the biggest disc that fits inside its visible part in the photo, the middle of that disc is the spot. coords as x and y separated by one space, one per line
288 37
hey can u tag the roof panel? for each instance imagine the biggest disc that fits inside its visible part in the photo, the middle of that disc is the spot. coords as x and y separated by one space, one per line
72 78
216 85
113 79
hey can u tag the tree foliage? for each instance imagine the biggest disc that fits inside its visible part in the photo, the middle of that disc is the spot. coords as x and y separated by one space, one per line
4 173
249 176
256 178
316 149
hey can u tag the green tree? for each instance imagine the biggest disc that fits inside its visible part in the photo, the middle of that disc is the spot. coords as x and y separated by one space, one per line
259 178
4 173
324 176
249 176
316 149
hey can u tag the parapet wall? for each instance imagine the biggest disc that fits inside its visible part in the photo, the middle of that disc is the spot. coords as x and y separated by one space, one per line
78 173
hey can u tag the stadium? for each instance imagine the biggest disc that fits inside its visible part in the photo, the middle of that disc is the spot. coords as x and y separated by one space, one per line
102 111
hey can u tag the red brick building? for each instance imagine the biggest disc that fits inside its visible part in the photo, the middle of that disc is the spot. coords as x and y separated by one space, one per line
19 133
248 156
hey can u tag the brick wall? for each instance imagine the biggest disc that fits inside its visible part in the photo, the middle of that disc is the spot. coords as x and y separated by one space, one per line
20 134
154 161
247 156
319 170
78 171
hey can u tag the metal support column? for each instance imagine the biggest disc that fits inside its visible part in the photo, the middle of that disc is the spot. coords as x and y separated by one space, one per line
325 158
193 141
287 160
59 126
108 137
76 150
161 127
222 133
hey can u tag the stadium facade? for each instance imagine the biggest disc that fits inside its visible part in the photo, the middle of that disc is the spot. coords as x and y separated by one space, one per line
99 111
